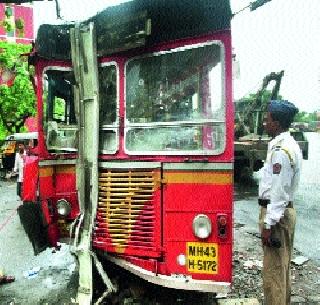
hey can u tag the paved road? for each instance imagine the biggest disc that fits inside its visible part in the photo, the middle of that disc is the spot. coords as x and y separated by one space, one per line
51 284
55 284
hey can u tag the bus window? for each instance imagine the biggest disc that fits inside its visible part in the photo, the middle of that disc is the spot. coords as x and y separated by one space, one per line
108 94
59 110
109 106
175 101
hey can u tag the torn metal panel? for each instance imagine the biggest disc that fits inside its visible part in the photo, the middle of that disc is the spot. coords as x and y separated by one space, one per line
84 62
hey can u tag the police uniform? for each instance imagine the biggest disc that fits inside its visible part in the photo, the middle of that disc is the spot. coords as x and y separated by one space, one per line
279 179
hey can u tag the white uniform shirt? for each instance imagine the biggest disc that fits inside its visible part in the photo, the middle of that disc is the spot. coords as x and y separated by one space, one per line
18 167
280 175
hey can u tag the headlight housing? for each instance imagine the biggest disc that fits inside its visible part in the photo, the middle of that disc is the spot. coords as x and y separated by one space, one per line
202 226
63 207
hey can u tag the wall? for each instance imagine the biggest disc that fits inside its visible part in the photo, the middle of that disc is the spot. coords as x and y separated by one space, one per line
25 12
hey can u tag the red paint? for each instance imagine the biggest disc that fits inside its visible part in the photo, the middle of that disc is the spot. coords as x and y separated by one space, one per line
46 211
46 187
30 178
53 234
194 199
31 124
2 16
217 197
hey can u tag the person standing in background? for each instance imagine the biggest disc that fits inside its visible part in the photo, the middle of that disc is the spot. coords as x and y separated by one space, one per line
18 168
279 179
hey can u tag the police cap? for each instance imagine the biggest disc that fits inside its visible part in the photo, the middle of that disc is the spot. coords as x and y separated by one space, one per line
284 107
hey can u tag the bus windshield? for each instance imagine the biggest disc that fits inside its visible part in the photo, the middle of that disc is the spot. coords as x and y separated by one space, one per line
175 101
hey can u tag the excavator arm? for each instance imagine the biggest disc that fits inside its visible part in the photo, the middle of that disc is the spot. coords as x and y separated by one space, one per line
250 118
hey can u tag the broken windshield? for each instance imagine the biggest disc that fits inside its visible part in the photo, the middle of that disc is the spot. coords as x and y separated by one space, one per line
175 101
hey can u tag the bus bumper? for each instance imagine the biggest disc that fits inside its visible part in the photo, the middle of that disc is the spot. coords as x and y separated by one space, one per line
173 281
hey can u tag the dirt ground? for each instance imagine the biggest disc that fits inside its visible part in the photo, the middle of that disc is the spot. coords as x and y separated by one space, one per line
51 277
247 263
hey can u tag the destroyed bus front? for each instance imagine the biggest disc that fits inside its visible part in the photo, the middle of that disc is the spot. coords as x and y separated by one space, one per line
165 163
165 171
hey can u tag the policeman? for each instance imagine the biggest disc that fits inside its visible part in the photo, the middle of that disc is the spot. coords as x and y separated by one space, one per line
279 179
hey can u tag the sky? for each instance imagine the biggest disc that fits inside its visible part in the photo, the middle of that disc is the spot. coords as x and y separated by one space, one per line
281 35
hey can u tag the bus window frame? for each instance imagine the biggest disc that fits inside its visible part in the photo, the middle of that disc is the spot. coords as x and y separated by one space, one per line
116 125
45 119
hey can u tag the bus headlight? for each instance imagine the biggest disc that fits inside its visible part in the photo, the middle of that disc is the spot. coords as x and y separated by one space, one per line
202 226
181 260
63 207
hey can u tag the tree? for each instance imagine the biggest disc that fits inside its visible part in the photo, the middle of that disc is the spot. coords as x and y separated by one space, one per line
305 117
17 102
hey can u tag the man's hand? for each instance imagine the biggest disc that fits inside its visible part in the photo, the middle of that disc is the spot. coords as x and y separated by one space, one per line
265 236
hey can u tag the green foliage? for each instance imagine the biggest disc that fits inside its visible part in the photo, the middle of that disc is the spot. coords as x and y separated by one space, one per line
8 12
302 116
305 117
19 24
2 132
246 102
8 25
59 108
18 101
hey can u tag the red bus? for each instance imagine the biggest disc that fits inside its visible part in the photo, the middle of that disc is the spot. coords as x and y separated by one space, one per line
135 140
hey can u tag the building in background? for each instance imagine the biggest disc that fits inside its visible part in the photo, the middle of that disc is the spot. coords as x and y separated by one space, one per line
16 23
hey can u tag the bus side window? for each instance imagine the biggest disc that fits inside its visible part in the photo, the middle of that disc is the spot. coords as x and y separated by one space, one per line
60 99
108 94
59 109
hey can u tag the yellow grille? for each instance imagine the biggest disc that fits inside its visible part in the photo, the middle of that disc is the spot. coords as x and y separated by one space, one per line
126 213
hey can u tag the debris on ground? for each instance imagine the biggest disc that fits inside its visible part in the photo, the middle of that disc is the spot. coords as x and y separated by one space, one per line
5 279
32 273
251 301
247 269
299 260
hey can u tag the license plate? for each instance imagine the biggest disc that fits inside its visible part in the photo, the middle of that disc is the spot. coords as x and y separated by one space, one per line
202 258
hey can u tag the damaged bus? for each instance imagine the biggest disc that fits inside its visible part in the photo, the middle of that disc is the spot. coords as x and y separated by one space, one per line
135 142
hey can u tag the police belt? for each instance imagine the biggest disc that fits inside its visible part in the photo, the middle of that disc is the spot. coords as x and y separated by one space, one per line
265 202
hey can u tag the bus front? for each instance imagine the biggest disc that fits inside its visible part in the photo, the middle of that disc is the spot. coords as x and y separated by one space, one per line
165 168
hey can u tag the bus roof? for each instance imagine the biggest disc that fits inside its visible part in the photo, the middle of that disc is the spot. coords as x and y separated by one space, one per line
139 23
